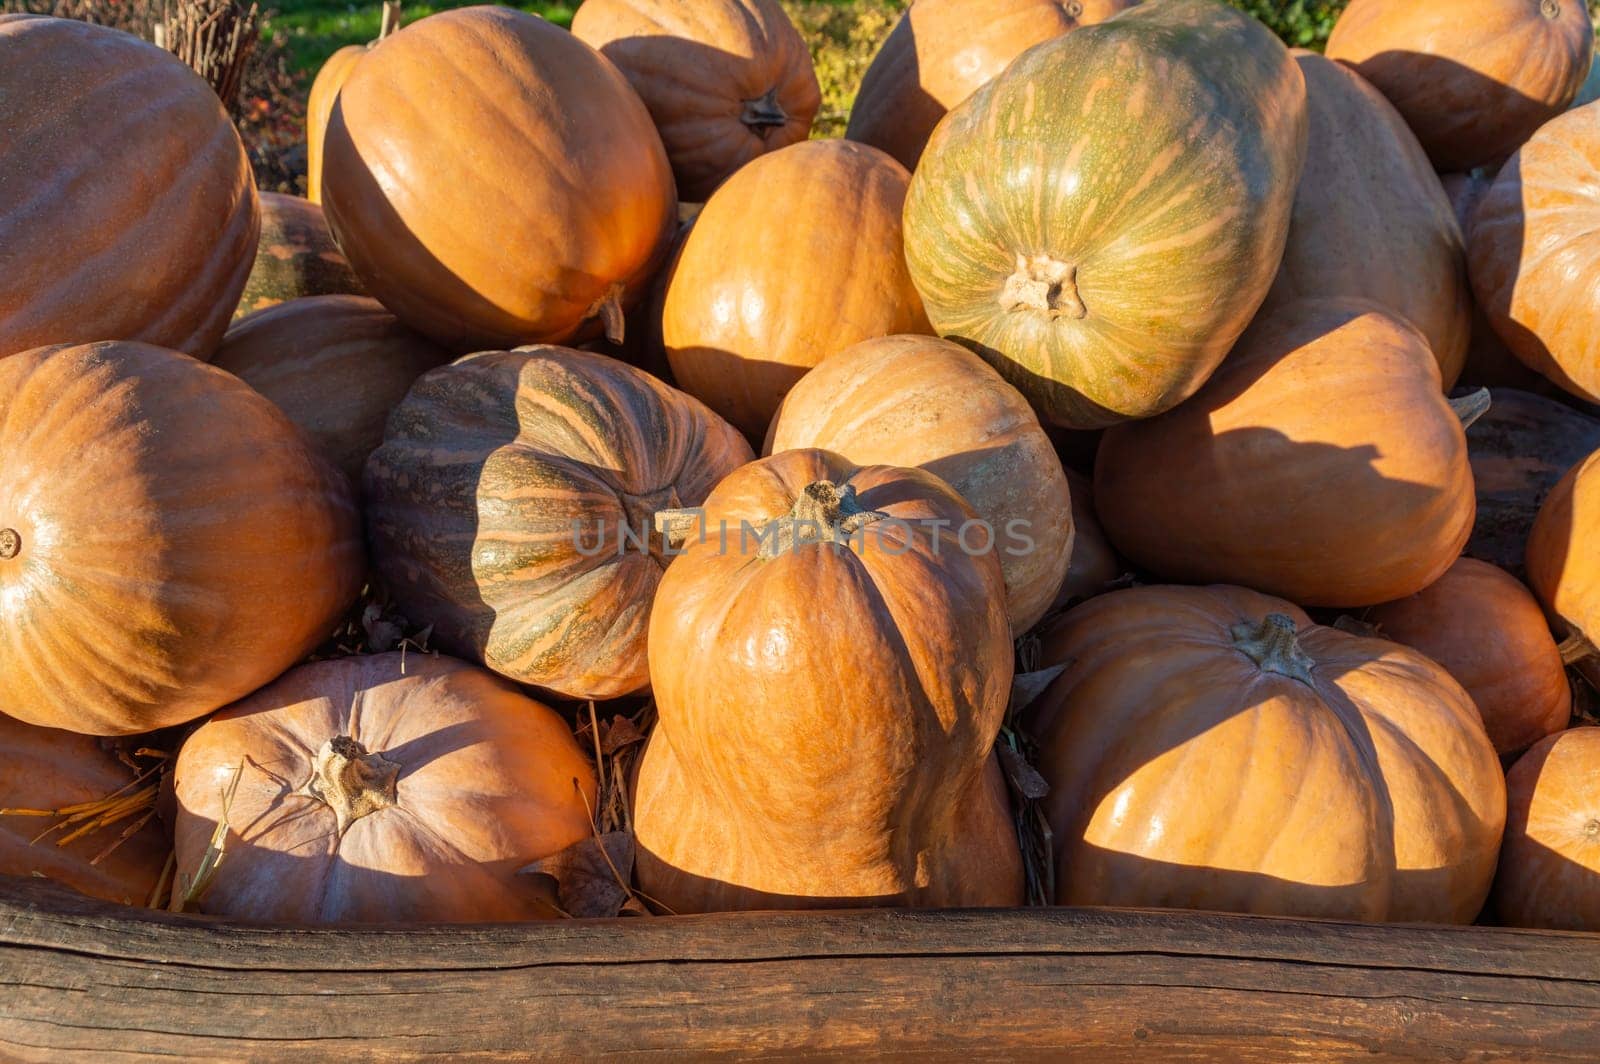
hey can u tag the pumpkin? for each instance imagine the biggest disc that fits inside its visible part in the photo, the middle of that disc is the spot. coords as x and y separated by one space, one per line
1095 566
319 110
830 667
725 80
381 789
296 257
922 402
530 203
512 507
1322 464
1102 220
1487 631
1473 78
1371 220
1563 567
1519 450
796 258
1211 748
942 51
46 769
129 212
1536 252
335 364
169 541
1550 864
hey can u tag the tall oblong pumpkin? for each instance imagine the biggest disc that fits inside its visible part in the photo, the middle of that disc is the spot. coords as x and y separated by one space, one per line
530 203
128 211
169 541
1102 220
512 506
725 80
830 671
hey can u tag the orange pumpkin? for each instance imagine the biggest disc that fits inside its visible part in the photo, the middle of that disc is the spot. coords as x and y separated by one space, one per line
795 259
1095 565
1321 463
169 541
319 110
924 402
380 789
532 202
1211 748
1563 566
128 211
942 51
725 80
1550 864
830 670
1487 631
512 507
335 364
1473 78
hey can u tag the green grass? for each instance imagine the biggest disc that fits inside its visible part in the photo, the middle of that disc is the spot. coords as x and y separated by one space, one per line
315 29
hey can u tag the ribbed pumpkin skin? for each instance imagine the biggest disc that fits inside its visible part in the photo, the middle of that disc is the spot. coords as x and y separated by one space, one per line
725 80
1473 78
1185 774
504 208
796 258
1563 566
918 401
319 110
1535 253
497 502
42 768
1489 633
335 364
296 257
827 714
1371 220
942 51
1095 565
1550 863
178 542
489 781
127 208
1322 463
1102 220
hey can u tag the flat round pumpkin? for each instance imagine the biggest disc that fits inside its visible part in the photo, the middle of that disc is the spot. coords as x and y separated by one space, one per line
169 541
1371 220
1535 253
830 668
382 789
1489 633
295 257
512 507
795 259
325 87
1211 748
918 401
1563 566
1102 220
529 203
46 769
1550 864
942 51
1322 463
725 80
1473 78
335 364
127 209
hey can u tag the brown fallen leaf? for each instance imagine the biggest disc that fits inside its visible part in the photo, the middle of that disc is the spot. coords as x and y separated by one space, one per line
590 876
619 733
1023 776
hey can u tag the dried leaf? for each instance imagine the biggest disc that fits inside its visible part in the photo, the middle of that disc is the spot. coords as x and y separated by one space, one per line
1027 686
591 875
1023 776
1354 626
619 733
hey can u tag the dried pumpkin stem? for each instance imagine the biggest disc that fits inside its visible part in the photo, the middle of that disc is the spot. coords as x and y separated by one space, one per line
1550 9
608 308
10 543
1272 645
824 513
764 112
350 781
1044 285
390 20
1469 408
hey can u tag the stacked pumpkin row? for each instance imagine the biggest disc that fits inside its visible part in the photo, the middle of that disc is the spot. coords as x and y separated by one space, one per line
1158 247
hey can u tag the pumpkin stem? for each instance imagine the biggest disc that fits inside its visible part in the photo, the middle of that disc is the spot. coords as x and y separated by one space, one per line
1046 285
824 513
390 20
608 308
1272 645
1550 9
764 112
643 517
1470 407
350 781
10 543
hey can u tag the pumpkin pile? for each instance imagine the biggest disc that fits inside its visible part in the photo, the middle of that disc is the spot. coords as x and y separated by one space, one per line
1141 465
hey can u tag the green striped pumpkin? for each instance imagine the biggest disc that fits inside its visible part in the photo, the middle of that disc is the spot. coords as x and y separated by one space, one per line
1102 221
495 506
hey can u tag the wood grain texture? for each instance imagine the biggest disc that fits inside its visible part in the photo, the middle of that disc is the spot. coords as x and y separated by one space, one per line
80 977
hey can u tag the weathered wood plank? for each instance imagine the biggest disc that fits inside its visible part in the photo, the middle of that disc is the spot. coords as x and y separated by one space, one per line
78 977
